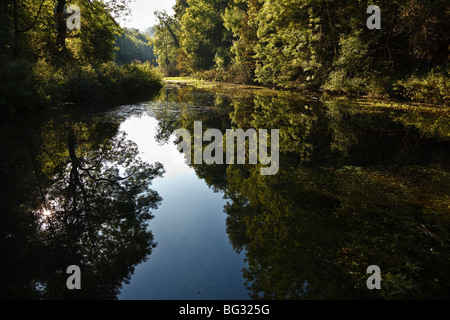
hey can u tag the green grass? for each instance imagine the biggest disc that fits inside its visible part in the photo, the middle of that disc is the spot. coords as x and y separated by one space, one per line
179 79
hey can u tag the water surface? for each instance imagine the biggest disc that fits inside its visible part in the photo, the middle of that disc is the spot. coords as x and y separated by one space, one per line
360 183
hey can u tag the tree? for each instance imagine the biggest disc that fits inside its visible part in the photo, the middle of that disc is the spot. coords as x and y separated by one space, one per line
110 10
166 43
204 37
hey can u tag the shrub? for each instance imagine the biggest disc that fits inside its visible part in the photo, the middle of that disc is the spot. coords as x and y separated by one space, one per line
237 73
50 81
26 86
136 79
18 90
82 84
432 87
207 75
354 70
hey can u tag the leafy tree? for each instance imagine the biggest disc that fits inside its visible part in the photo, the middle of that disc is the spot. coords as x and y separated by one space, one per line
239 18
314 44
167 44
95 42
204 37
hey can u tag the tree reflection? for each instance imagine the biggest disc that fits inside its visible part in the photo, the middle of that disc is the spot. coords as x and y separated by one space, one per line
357 187
82 198
347 197
311 233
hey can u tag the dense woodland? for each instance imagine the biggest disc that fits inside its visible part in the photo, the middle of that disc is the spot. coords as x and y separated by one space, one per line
294 44
312 44
43 62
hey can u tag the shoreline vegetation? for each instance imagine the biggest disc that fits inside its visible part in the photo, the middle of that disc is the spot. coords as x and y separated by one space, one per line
36 86
319 46
363 100
322 48
44 64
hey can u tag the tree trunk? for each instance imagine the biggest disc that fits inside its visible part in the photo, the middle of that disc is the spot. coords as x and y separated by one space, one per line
16 29
333 34
61 24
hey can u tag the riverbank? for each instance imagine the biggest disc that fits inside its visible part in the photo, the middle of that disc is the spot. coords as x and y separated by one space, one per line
28 87
363 100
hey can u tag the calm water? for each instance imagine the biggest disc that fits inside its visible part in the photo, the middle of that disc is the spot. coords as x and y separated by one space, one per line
359 184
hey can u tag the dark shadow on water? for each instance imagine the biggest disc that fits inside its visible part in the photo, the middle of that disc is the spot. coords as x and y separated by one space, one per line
73 192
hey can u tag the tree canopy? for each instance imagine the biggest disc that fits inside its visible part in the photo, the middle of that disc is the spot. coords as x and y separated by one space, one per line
44 62
315 44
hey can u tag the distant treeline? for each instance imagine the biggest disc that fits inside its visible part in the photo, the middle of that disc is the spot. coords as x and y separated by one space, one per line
43 61
313 44
134 45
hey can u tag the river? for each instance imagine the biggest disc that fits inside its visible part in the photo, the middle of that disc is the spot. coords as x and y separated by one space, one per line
360 183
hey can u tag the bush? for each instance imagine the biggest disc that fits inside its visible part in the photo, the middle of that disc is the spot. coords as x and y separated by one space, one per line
237 73
50 81
207 75
340 82
432 88
19 92
26 86
354 71
136 79
82 84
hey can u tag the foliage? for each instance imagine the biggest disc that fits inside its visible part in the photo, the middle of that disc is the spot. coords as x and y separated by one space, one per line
18 89
355 70
236 73
134 46
43 66
167 45
204 37
320 45
433 87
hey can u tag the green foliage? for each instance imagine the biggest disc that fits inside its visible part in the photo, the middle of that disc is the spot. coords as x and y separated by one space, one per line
398 284
202 32
319 45
110 82
433 87
19 92
94 43
354 70
236 73
288 43
167 45
136 79
31 86
38 70
239 19
51 81
134 46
